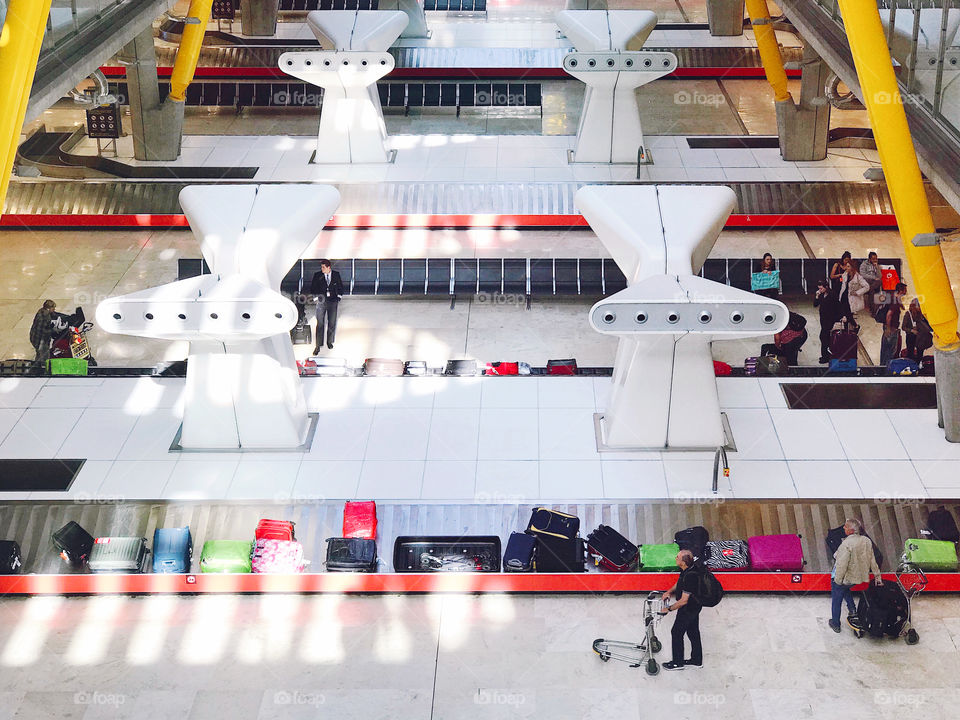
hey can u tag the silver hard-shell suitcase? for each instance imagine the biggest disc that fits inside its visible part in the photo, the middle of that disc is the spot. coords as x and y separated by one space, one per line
118 555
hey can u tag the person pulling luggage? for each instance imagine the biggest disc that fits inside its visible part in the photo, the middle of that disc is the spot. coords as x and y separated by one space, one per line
854 562
687 608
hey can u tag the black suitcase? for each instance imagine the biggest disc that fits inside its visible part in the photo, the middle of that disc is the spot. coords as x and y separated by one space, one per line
942 526
10 558
518 557
461 367
415 367
694 539
560 555
544 521
447 553
883 610
74 543
836 536
351 555
613 550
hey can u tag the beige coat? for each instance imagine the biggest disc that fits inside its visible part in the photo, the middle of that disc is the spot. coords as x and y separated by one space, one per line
856 288
855 561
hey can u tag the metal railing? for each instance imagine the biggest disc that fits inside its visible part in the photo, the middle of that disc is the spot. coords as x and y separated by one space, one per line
924 40
69 17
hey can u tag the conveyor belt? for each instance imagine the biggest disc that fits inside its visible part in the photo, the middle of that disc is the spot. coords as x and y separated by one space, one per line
260 61
655 521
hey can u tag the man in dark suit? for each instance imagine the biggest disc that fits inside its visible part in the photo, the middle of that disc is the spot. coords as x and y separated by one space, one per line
328 288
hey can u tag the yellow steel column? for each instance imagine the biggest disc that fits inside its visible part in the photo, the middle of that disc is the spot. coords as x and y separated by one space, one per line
769 48
191 43
881 95
20 42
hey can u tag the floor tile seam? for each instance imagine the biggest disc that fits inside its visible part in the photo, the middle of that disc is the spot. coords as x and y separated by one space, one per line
14 425
793 480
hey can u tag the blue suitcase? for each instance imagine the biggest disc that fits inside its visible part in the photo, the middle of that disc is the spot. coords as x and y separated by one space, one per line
518 556
172 550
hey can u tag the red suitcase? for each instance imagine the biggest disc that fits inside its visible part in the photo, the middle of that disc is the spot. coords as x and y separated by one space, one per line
274 530
360 520
775 552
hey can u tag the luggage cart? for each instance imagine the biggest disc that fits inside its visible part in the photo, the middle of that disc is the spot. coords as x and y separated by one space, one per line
910 590
632 653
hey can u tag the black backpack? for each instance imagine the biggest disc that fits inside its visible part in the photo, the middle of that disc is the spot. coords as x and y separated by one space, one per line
941 525
709 589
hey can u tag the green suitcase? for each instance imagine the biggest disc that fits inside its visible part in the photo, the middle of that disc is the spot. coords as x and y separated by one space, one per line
659 558
67 366
932 555
226 556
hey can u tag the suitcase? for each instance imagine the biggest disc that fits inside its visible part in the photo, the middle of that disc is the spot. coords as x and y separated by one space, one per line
277 556
19 366
447 553
518 557
73 542
942 526
775 552
382 367
931 555
226 556
837 535
460 368
351 555
559 555
118 555
772 365
67 366
903 366
502 368
727 555
927 367
172 550
883 610
327 367
659 558
415 367
843 366
544 521
301 334
274 530
843 345
11 559
360 519
750 365
613 551
693 539
562 367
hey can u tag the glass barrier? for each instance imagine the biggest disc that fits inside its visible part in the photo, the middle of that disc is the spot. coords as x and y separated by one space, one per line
69 17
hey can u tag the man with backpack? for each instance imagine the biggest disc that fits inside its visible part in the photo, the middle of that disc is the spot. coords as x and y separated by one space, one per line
695 589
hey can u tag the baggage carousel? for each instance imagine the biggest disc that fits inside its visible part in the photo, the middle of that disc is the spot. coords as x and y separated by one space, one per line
888 523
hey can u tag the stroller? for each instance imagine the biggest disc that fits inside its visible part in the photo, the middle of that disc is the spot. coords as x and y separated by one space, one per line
642 654
884 611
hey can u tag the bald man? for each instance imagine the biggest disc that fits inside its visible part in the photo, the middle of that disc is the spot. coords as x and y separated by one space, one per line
687 608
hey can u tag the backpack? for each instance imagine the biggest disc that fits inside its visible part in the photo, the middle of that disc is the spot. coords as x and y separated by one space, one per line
710 591
880 314
797 322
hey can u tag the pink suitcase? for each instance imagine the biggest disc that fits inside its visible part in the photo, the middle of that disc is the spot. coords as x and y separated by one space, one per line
775 552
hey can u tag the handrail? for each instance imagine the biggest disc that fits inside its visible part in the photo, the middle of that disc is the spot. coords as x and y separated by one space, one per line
720 454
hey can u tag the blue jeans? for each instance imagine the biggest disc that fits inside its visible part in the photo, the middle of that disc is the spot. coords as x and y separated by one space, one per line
839 593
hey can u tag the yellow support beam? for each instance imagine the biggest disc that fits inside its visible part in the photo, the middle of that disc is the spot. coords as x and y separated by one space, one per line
769 48
20 42
191 43
881 95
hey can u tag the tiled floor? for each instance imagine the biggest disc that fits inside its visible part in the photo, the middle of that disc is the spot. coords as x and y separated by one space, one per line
477 438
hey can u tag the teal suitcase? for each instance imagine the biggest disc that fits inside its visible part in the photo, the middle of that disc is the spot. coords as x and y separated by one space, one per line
931 555
659 558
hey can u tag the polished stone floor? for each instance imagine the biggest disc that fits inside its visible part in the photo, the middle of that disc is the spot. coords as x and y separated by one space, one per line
454 657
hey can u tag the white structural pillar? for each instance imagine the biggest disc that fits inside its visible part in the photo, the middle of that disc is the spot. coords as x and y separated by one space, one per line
664 389
413 9
351 117
608 60
243 389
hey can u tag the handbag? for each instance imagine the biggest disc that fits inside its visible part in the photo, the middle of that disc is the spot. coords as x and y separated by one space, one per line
765 280
889 277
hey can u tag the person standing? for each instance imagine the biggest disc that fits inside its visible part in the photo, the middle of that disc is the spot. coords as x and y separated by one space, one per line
890 340
687 608
829 314
837 272
854 561
870 271
328 289
46 323
917 331
846 294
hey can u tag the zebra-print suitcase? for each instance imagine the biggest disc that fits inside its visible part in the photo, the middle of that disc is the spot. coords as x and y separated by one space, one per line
727 555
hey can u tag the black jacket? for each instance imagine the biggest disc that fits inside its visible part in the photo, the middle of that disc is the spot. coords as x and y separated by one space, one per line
829 309
318 286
